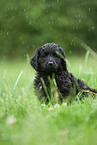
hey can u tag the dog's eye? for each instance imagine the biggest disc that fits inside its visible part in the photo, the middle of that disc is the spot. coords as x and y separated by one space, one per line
55 54
43 54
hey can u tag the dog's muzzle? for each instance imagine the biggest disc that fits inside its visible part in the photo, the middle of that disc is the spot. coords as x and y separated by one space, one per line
51 61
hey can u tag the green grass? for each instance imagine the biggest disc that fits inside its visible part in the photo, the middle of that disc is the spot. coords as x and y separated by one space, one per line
24 121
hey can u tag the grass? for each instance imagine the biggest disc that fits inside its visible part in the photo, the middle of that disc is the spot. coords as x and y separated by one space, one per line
24 121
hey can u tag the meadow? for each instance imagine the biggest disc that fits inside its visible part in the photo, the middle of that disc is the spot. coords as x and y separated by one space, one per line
25 121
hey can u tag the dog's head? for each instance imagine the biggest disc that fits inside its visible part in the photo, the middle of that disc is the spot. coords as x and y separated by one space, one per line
49 58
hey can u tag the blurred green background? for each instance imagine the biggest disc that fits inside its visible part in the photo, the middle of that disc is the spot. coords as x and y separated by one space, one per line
26 25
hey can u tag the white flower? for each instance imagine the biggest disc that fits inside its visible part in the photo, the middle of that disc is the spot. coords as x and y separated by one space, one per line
64 104
50 108
43 105
11 120
56 106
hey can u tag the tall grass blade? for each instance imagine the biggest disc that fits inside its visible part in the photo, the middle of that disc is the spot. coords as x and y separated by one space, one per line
53 90
87 56
18 79
85 46
63 58
8 87
45 89
56 95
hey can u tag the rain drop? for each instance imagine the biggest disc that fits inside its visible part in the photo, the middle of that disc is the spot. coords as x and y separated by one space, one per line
46 11
49 22
15 8
89 9
13 52
79 20
30 23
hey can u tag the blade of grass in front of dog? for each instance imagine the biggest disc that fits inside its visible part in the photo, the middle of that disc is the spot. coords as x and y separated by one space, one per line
45 88
53 90
56 95
63 58
18 79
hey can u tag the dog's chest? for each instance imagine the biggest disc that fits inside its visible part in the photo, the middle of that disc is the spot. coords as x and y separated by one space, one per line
62 82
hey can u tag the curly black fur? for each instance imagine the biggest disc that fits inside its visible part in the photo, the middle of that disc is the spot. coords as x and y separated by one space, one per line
46 62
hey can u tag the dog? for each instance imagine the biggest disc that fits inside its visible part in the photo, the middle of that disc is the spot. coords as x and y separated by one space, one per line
50 60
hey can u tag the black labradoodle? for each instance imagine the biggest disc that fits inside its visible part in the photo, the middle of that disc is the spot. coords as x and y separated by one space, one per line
50 59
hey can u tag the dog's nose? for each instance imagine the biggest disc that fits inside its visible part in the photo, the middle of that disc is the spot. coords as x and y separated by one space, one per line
50 63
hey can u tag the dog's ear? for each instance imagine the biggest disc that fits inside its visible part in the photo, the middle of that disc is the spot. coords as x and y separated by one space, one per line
64 63
34 60
64 66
